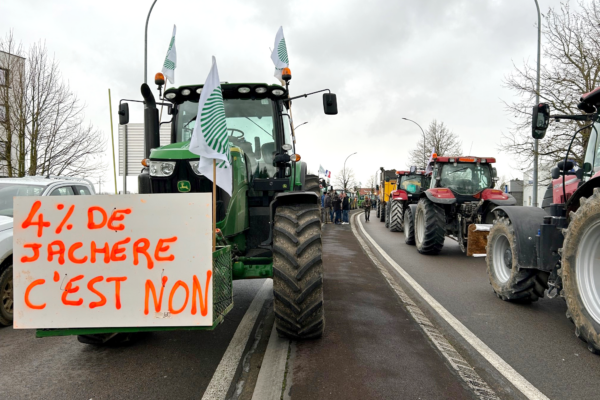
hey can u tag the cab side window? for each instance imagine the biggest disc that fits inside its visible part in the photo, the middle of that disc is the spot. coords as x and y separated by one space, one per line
82 190
63 191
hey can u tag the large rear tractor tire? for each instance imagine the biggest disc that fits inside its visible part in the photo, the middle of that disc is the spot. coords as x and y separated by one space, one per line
508 281
409 226
311 184
382 212
298 272
430 227
396 217
6 296
581 269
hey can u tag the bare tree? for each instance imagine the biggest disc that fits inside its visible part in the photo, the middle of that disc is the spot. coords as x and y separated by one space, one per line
437 138
372 183
345 179
570 67
44 128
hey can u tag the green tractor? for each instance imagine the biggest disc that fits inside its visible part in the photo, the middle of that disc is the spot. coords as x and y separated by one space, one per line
271 224
272 221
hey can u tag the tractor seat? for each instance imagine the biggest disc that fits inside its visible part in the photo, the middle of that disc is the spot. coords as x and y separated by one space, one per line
265 168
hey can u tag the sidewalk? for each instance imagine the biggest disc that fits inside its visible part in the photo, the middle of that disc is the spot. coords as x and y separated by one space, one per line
371 348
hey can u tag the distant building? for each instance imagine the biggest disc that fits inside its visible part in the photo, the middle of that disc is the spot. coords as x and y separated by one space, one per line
11 69
544 179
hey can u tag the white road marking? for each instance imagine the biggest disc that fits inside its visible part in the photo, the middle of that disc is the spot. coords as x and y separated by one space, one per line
522 384
221 381
272 370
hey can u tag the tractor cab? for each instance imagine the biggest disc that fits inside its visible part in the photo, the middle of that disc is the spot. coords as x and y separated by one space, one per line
411 182
466 178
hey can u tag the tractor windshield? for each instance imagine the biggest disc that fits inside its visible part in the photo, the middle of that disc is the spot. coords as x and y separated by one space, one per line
592 154
250 126
466 178
412 183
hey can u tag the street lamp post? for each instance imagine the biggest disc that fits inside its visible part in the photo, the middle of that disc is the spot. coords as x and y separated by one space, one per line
146 44
537 101
304 123
424 159
345 168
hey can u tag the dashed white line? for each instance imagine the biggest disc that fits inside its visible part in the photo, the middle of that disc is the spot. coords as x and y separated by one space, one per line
522 384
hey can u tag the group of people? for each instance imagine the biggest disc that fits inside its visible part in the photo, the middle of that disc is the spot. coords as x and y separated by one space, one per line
335 208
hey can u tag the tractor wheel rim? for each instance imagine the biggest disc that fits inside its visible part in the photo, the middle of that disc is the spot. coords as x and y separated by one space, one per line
7 296
501 249
420 226
587 270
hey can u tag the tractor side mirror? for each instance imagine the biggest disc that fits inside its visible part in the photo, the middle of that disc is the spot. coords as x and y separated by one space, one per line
569 166
376 187
413 169
540 118
555 173
587 167
494 172
123 114
330 104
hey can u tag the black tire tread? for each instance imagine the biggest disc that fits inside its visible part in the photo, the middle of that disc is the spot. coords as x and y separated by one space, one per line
409 227
396 217
435 227
298 272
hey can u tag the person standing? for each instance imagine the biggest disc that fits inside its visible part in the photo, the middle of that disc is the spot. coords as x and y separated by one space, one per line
367 205
337 208
345 209
328 211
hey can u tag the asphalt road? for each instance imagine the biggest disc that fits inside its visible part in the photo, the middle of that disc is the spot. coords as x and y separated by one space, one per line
371 347
537 340
160 365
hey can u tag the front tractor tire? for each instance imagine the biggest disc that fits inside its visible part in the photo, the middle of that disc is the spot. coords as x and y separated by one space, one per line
396 217
378 209
388 209
580 270
430 227
509 282
298 272
381 214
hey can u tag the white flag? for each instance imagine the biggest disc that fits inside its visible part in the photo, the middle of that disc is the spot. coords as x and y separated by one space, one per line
321 170
210 139
429 167
170 63
280 55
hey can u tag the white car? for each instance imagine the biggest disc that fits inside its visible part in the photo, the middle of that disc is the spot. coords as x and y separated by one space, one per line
28 186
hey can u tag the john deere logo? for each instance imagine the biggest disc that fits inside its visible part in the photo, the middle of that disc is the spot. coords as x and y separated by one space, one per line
184 186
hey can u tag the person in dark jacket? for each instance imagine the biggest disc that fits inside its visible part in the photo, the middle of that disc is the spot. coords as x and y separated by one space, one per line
345 209
337 207
327 210
367 205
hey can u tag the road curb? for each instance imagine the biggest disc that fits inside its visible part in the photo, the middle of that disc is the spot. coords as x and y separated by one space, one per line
220 384
272 371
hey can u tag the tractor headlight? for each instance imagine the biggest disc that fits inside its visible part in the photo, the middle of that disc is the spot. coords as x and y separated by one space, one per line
162 168
194 165
277 92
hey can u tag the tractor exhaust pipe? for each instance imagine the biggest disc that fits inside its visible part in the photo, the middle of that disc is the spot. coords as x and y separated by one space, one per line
151 124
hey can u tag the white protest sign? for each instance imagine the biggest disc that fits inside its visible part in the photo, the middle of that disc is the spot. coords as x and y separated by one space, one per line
113 261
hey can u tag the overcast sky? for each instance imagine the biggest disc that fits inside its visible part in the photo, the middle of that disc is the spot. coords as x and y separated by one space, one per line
424 60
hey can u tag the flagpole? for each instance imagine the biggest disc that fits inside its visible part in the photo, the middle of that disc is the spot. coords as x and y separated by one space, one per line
214 210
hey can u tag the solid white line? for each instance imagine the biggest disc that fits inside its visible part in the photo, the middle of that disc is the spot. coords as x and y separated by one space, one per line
221 381
272 370
522 384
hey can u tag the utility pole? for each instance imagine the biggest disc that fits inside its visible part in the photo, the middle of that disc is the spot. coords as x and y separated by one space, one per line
146 44
424 156
537 101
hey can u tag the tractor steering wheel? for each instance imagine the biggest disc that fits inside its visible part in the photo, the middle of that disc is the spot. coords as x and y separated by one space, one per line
241 133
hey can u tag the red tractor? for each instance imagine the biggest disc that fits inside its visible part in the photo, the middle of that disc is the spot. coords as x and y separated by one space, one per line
410 185
458 204
556 248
